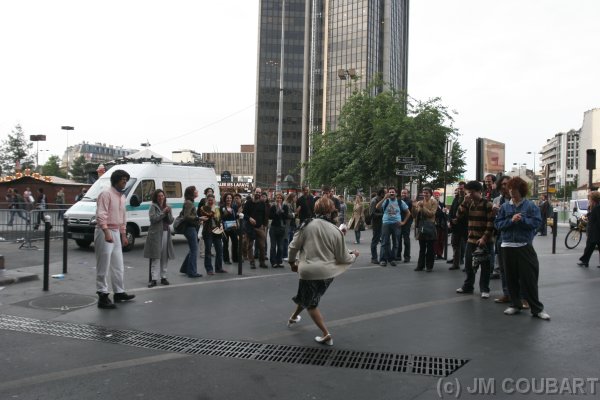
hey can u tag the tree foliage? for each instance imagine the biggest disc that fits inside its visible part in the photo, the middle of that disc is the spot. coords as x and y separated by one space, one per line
77 170
16 148
52 167
373 130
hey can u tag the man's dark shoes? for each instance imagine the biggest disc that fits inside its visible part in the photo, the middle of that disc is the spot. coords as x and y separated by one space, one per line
119 297
392 263
164 281
407 260
152 283
104 301
582 264
450 261
263 266
374 261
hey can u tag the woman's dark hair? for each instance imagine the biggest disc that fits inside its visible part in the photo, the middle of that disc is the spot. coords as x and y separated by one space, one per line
155 195
207 189
518 184
117 176
189 193
225 196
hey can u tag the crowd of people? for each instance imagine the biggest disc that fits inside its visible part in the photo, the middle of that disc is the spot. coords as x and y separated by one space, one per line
492 227
21 205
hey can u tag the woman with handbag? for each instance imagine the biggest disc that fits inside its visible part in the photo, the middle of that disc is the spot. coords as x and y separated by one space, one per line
278 214
212 232
159 243
424 214
192 223
229 211
358 218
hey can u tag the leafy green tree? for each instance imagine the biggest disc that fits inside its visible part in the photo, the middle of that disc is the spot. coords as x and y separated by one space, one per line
78 170
16 148
52 167
373 130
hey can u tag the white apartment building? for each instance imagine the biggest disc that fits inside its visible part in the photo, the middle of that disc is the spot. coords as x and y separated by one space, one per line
589 139
560 161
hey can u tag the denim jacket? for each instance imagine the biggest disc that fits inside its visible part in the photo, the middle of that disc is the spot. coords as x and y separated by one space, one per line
522 231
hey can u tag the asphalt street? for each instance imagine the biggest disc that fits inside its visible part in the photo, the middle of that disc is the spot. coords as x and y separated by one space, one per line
82 352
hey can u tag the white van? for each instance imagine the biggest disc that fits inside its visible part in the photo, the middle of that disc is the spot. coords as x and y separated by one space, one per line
578 209
144 179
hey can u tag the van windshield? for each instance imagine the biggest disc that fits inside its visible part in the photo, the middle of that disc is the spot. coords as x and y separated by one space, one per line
100 185
582 204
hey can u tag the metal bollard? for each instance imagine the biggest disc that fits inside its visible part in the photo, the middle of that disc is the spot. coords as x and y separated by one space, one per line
240 256
554 230
47 228
65 242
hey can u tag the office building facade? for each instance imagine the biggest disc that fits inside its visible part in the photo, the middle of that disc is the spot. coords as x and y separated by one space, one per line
331 48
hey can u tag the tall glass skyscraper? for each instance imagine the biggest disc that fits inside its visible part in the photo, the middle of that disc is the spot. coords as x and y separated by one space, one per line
331 48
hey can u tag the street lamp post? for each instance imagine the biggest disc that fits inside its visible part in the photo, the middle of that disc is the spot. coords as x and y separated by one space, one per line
37 139
534 178
280 122
67 128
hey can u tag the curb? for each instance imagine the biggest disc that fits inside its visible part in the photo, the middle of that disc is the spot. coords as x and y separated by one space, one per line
10 277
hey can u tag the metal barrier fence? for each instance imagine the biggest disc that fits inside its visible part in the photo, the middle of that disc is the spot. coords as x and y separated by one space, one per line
27 226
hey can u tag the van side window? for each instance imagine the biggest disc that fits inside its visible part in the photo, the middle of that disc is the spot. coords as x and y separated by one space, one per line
145 189
172 190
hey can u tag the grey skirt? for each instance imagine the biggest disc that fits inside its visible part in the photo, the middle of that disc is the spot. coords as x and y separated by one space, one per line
310 292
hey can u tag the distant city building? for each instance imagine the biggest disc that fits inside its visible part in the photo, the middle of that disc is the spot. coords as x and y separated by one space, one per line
240 165
94 153
560 159
589 139
346 44
186 156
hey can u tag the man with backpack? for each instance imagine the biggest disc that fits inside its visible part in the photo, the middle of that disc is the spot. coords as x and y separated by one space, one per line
395 216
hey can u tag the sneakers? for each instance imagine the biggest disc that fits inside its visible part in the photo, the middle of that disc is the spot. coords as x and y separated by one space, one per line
463 291
152 283
393 263
485 295
512 311
525 304
119 297
383 264
542 315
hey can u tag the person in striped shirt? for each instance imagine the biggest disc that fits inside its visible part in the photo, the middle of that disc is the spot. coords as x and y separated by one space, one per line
480 226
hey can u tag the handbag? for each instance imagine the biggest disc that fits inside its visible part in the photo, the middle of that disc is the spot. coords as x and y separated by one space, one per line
230 225
218 230
361 225
427 230
179 224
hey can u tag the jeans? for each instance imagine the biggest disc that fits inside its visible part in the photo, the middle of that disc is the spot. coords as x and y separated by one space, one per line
389 239
357 236
459 243
375 241
190 263
484 278
230 236
426 255
211 239
276 236
20 213
404 241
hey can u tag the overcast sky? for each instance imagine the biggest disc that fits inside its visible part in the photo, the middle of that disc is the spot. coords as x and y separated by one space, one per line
182 74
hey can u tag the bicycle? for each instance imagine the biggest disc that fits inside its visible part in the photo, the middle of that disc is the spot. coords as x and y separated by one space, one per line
575 234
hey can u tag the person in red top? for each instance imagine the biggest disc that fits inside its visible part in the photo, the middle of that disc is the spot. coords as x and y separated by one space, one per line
109 238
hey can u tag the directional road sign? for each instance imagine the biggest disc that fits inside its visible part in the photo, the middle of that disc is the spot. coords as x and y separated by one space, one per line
419 167
401 172
403 160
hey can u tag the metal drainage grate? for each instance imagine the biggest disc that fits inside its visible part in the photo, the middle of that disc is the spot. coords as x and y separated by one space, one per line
327 357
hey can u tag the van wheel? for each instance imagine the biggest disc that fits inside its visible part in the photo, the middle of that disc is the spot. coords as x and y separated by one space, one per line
84 244
130 239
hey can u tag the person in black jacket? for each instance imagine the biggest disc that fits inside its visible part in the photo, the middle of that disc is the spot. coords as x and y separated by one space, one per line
279 213
376 225
257 219
593 229
459 229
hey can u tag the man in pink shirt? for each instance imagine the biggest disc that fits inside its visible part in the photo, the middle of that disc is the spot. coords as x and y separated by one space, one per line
109 239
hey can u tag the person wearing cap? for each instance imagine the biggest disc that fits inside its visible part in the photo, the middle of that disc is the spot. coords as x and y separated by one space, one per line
480 226
109 238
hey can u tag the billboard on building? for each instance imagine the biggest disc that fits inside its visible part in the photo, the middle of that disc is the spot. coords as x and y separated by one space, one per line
490 157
